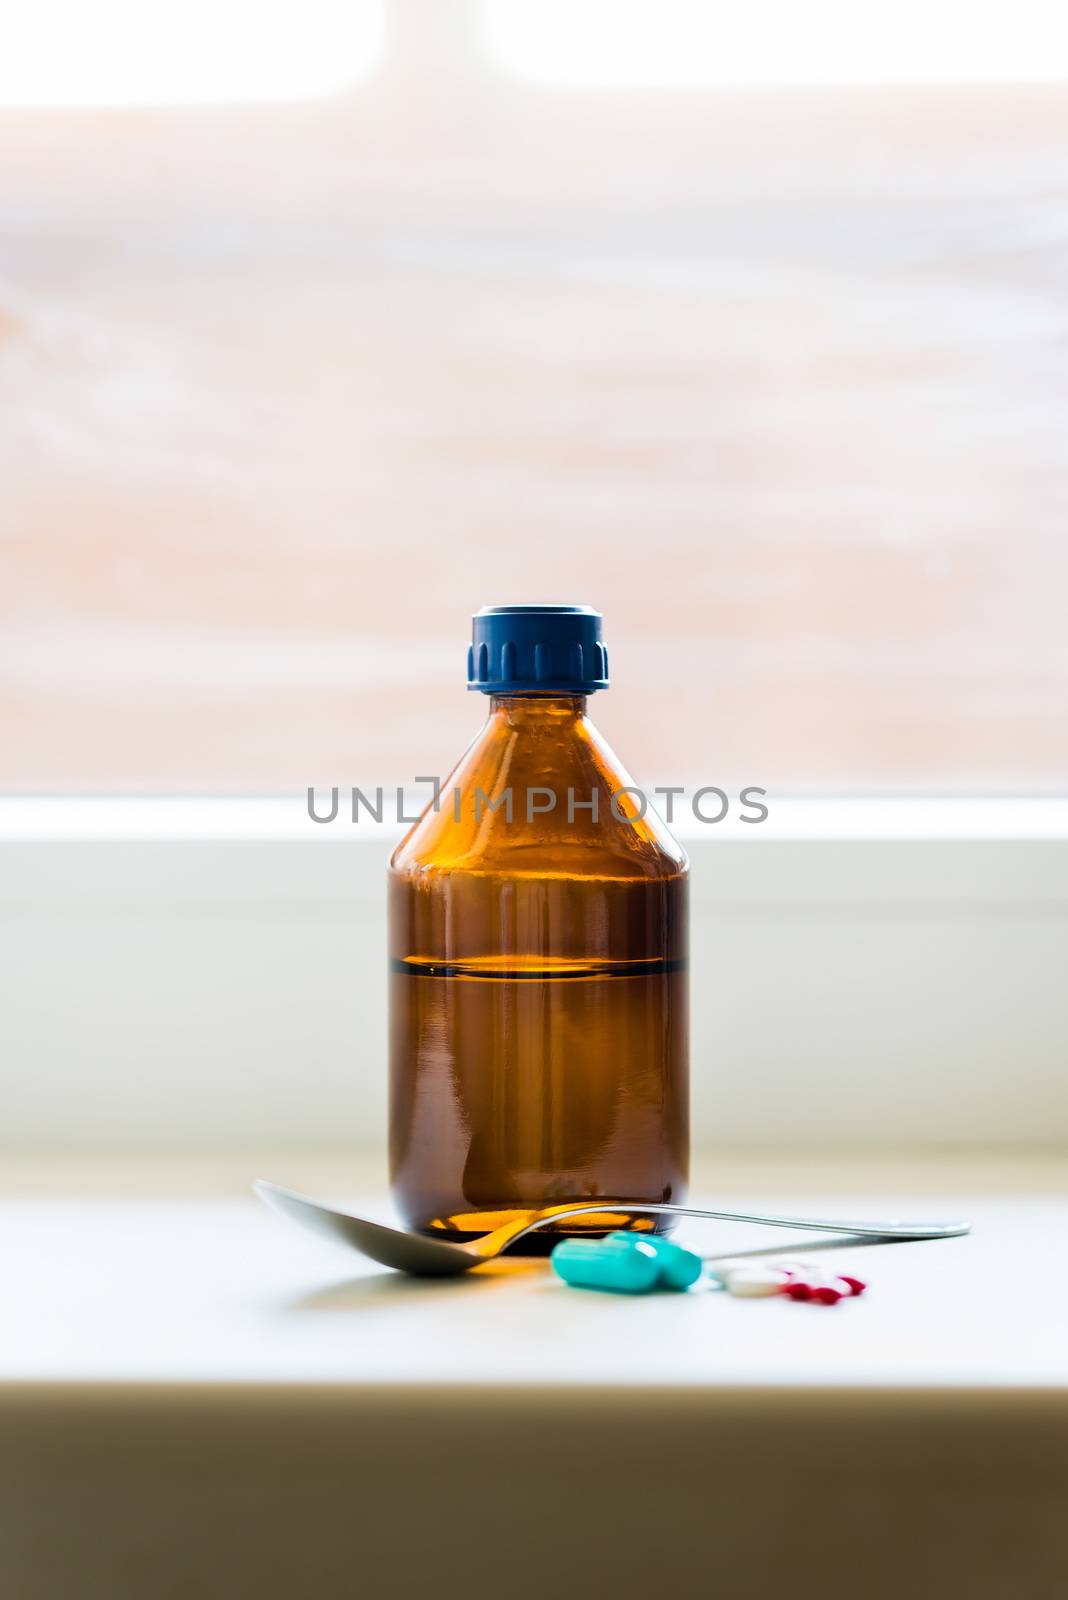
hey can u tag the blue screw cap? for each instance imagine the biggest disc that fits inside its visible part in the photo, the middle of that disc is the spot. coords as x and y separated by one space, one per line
537 650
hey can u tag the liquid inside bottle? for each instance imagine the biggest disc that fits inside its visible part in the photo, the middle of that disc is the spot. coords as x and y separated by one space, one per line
538 954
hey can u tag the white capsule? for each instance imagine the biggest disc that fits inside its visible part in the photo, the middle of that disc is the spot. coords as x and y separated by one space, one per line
721 1270
750 1283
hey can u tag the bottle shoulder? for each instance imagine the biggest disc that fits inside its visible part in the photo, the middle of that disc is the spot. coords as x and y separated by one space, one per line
540 801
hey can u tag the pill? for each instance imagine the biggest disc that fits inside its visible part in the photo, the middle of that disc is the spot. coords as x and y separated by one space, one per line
678 1268
826 1294
630 1268
751 1283
720 1271
856 1285
822 1290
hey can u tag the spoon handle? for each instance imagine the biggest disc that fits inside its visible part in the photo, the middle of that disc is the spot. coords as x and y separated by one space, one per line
894 1229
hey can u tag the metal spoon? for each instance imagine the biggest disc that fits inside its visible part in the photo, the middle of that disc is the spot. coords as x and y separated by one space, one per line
427 1257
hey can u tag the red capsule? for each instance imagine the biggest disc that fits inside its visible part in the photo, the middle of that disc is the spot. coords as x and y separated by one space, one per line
856 1285
825 1294
796 1289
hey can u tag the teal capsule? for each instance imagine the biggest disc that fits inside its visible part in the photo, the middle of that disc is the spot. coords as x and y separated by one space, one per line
677 1268
630 1267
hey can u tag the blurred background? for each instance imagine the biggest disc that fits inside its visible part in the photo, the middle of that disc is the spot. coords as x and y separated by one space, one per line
324 323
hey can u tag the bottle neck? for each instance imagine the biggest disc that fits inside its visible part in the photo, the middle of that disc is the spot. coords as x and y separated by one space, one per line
541 710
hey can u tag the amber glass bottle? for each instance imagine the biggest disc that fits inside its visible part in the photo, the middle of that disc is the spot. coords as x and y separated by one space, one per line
538 950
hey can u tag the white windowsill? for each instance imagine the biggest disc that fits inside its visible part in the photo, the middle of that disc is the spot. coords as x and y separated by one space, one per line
196 1397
